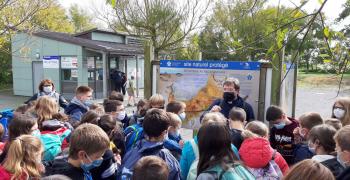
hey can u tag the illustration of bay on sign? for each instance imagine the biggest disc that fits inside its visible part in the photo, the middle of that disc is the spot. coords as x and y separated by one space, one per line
199 83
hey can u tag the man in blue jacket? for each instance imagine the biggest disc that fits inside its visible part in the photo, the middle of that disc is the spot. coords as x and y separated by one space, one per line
155 126
231 99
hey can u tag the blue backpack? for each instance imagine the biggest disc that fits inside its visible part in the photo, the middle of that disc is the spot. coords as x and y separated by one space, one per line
132 134
6 116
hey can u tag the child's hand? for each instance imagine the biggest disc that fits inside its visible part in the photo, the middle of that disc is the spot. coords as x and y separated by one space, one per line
297 137
118 158
296 131
181 143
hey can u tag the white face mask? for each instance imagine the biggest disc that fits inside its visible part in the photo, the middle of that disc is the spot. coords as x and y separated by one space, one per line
121 115
47 89
338 113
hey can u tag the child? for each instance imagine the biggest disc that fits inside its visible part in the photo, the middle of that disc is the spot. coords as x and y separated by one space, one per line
333 122
23 160
116 109
177 107
281 134
151 168
321 142
97 108
216 156
256 151
79 105
341 110
131 90
20 125
142 107
174 141
237 119
90 117
309 169
156 101
88 143
342 142
307 121
116 96
155 126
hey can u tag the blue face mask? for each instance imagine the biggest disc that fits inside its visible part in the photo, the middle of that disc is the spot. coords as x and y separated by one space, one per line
280 125
174 134
93 164
88 103
182 116
36 133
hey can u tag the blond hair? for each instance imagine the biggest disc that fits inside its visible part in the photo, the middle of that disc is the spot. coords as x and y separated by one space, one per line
342 138
156 100
259 128
213 117
345 102
45 108
309 169
174 119
84 137
22 157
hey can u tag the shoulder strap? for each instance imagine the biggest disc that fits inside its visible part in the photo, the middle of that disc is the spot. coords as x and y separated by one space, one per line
274 154
195 148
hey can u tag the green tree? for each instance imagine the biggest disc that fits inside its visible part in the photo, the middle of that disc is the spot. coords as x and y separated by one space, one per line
165 23
81 20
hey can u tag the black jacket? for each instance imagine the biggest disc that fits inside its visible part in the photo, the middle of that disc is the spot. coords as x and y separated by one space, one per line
334 166
226 107
345 175
62 101
108 168
61 166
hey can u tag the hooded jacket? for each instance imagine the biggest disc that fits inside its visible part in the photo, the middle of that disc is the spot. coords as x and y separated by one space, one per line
147 148
257 153
76 109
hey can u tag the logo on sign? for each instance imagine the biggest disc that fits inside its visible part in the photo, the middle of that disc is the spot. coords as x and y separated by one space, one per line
249 77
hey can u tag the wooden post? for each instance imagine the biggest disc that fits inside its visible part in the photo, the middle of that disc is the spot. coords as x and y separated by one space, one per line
148 70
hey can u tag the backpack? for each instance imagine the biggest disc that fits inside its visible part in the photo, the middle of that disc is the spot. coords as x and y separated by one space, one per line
132 134
192 173
235 171
269 172
6 116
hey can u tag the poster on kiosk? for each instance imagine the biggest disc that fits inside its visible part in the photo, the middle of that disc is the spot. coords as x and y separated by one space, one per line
199 83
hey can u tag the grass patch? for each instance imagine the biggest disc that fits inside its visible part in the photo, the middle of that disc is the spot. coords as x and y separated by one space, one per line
5 86
321 79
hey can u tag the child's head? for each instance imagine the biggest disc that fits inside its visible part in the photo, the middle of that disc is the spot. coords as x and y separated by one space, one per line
156 124
115 108
107 123
341 110
24 157
142 107
237 114
321 139
45 108
259 128
90 117
177 107
22 109
157 101
99 109
342 142
309 169
307 122
83 93
88 143
116 96
276 116
150 167
214 145
22 124
175 124
213 117
334 122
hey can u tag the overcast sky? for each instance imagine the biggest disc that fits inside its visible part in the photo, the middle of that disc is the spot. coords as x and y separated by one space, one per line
331 9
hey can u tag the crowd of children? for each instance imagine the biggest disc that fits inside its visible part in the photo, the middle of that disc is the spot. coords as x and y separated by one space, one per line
87 141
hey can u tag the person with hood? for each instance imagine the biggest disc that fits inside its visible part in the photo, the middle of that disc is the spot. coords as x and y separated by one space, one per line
256 151
231 99
155 126
47 88
79 104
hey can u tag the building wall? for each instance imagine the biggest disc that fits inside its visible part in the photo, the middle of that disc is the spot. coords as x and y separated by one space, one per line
107 37
24 48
